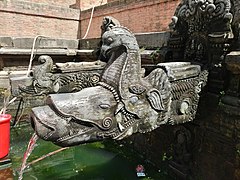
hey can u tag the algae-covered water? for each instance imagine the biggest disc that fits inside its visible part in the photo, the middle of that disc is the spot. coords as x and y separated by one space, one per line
95 161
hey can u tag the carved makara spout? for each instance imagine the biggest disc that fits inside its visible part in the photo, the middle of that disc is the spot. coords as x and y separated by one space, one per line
125 100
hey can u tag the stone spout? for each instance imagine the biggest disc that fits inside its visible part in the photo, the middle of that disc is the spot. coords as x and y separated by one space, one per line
125 101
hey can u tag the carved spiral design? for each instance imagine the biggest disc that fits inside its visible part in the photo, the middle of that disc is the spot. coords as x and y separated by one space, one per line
217 9
95 78
107 123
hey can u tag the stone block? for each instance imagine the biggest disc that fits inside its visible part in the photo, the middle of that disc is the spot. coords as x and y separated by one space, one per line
233 62
6 42
19 81
152 40
24 43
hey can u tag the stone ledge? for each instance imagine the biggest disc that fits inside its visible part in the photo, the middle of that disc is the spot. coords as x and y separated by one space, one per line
233 62
42 42
151 40
88 53
15 51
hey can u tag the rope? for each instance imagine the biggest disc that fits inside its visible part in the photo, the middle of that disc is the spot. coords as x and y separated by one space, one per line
32 53
89 24
38 36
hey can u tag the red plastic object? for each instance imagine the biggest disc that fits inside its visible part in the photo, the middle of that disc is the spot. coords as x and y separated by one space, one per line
4 134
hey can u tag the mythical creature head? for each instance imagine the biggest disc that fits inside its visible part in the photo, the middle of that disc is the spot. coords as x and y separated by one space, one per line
124 102
116 38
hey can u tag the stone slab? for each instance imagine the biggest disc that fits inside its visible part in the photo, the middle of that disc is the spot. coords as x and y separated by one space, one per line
233 62
21 43
15 51
6 42
19 81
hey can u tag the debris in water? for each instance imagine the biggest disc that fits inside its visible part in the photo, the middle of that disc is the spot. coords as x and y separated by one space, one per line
140 171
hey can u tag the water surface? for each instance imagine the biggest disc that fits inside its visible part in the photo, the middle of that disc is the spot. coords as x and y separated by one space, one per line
94 161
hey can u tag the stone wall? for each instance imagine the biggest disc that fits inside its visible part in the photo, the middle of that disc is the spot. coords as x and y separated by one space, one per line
30 18
207 150
138 15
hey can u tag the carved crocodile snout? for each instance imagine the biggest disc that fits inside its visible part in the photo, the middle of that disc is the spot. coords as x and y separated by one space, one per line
48 125
75 118
60 131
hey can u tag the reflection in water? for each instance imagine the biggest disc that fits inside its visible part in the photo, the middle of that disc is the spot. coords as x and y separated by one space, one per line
94 161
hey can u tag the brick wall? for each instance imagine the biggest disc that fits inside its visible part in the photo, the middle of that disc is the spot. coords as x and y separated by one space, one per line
87 4
46 17
60 18
138 15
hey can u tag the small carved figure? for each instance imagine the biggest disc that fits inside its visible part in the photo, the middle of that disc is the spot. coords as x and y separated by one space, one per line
44 81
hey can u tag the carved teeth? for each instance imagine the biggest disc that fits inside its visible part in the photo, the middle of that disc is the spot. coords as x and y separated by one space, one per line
121 128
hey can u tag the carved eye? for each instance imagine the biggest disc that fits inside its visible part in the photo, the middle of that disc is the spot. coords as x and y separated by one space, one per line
104 106
109 40
133 99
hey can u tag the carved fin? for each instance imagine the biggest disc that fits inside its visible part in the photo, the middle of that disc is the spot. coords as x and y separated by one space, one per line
155 100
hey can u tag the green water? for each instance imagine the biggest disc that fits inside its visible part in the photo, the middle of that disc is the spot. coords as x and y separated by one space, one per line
96 161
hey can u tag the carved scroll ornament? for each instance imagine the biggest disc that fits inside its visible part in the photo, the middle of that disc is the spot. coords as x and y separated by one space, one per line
125 101
201 31
45 81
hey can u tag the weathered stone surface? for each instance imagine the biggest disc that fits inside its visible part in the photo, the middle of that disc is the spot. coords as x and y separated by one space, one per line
152 40
125 101
17 82
5 75
146 40
22 52
233 62
67 77
6 42
25 43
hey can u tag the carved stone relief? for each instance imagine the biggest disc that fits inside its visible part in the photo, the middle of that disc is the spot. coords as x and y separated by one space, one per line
125 101
181 162
45 81
63 77
204 32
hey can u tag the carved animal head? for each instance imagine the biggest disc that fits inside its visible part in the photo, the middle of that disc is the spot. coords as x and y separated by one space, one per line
96 113
124 102
76 118
116 38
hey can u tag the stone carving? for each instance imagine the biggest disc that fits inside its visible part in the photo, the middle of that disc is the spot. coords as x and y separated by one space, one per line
125 101
236 18
230 100
203 32
45 81
181 162
107 24
67 77
199 28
